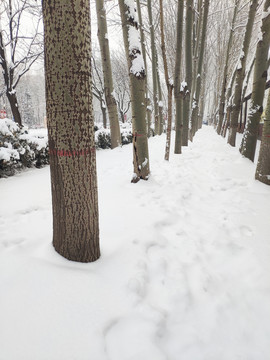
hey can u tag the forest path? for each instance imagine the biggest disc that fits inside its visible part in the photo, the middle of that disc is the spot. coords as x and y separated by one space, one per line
184 271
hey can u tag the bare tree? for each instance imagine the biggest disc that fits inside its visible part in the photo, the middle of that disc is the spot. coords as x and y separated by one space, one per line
18 48
98 89
121 81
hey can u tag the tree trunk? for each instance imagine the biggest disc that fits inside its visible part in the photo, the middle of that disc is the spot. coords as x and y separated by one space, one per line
147 100
188 53
169 85
225 73
195 105
137 88
227 121
160 105
154 67
71 129
177 81
263 166
104 115
198 15
107 74
249 142
12 98
240 74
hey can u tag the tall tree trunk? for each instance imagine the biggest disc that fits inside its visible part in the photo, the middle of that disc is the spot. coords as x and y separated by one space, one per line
188 53
263 166
177 80
196 41
227 121
71 129
168 83
107 74
249 142
137 88
147 100
160 105
195 105
225 73
240 74
154 67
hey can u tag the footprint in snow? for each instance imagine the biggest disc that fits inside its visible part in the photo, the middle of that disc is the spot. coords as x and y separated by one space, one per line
133 337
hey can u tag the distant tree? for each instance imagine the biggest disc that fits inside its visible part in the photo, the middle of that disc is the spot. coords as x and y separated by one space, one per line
249 141
71 129
121 81
224 77
201 40
107 73
136 67
19 49
98 90
169 83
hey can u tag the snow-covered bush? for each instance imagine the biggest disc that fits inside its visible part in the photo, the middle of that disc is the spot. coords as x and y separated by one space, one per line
20 149
103 136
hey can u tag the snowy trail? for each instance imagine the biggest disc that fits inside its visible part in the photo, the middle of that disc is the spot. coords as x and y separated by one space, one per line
184 272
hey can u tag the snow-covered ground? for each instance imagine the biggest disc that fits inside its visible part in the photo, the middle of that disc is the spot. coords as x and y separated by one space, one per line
184 272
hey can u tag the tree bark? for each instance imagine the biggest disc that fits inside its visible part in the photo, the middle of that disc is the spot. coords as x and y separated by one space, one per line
249 142
188 53
71 129
225 73
240 74
263 166
148 111
107 74
134 56
177 80
13 102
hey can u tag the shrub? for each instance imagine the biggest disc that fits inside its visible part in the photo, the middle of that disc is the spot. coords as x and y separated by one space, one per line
19 149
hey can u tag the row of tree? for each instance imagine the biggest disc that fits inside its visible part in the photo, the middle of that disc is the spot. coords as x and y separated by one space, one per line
68 91
252 43
189 59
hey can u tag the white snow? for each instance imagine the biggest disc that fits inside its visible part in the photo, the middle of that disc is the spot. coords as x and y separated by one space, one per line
135 50
183 85
7 127
184 271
